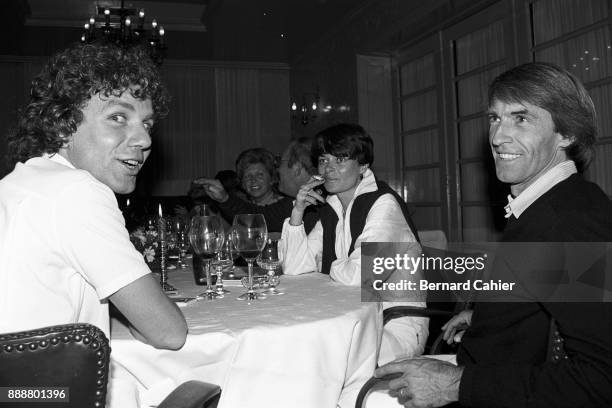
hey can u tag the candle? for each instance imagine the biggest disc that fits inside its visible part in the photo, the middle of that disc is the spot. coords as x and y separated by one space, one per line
127 203
161 224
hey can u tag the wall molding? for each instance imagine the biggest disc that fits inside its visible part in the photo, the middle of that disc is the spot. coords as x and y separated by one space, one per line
171 63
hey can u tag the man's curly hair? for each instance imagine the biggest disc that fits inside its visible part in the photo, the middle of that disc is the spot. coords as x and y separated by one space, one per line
67 83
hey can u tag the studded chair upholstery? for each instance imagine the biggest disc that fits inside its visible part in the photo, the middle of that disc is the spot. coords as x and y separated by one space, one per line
75 356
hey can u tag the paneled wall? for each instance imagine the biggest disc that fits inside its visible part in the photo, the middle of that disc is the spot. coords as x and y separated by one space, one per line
376 113
478 49
420 141
218 109
576 36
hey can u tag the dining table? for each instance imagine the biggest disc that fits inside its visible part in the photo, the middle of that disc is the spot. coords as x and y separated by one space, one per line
314 346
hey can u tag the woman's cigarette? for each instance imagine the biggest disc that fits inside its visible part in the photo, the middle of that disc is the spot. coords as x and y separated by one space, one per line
318 178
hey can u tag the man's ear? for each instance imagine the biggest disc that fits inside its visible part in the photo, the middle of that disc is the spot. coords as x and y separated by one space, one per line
65 141
363 168
565 141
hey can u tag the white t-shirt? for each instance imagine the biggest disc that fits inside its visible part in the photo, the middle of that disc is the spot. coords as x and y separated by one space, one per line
64 248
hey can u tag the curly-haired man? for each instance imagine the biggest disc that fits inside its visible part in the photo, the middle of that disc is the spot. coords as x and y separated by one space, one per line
64 249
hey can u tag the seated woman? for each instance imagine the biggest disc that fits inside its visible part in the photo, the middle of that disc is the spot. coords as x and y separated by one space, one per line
345 153
256 170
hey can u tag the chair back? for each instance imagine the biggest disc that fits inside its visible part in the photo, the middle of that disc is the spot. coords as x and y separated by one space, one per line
71 356
433 238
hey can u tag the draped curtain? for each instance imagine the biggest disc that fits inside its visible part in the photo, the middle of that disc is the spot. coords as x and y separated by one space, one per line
238 122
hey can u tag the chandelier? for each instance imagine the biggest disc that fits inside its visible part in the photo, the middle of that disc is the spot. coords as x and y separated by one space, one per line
307 111
125 27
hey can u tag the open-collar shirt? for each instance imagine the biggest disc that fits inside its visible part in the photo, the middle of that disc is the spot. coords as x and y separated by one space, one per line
517 205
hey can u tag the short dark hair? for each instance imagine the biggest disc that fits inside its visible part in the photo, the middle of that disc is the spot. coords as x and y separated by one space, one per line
65 85
560 93
299 152
254 156
345 139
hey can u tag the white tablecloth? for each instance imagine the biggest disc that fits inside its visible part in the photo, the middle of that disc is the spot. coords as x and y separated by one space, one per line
312 347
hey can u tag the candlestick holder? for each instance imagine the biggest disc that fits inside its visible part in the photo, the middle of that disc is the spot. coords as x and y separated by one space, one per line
163 245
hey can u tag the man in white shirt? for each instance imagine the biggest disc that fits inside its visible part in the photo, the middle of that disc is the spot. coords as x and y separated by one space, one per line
64 249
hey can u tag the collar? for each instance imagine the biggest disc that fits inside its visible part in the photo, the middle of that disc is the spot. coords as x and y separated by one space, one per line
57 158
366 185
516 206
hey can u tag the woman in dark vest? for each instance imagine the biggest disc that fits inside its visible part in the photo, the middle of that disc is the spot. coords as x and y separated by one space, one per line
358 209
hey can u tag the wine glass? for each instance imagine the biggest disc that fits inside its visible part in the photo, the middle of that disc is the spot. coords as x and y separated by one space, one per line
222 260
206 237
269 261
249 235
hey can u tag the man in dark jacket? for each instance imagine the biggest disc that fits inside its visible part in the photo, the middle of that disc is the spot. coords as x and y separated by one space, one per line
542 130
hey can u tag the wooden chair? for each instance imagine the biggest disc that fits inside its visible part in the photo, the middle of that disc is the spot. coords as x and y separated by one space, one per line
75 357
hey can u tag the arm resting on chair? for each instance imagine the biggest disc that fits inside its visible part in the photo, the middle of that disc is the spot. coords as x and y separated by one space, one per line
193 394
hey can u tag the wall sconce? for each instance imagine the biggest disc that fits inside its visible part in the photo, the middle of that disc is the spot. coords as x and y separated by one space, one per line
307 111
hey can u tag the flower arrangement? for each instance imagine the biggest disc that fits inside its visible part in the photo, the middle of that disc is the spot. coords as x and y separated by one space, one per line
146 241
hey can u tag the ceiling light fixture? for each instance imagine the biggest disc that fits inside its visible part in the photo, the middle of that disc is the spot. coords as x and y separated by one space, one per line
125 27
308 111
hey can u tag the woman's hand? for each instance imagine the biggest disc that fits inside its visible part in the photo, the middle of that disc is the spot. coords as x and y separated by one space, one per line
455 327
213 188
307 195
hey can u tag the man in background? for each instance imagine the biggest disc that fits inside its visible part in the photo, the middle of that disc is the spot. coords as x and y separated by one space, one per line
64 249
542 130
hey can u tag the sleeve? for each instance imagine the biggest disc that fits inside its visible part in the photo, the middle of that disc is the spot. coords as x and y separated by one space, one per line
584 379
301 253
92 235
274 213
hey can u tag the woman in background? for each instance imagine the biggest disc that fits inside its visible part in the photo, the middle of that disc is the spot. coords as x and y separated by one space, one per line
257 173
